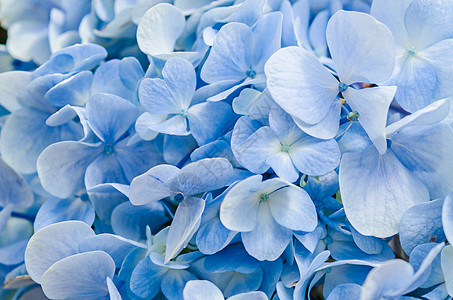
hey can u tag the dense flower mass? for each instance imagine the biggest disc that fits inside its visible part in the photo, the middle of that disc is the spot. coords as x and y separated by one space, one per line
228 149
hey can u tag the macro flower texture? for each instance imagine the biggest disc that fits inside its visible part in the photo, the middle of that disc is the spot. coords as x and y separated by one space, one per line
226 149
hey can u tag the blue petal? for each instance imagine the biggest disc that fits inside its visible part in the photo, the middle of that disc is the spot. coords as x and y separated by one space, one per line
421 224
432 167
266 39
200 290
25 135
416 83
146 278
292 208
173 283
62 166
447 265
56 210
376 200
269 239
115 246
426 29
79 275
14 190
207 121
345 291
203 176
447 216
53 243
230 55
170 23
11 88
74 90
372 104
184 225
110 116
308 98
349 33
173 93
152 185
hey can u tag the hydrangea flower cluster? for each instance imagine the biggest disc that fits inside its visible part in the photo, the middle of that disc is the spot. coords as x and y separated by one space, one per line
228 149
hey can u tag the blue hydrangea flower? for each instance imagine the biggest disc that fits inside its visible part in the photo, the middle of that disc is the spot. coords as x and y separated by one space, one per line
313 98
266 213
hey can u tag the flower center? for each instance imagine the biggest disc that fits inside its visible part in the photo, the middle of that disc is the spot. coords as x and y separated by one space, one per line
184 113
412 51
250 73
264 197
285 148
353 116
108 149
342 87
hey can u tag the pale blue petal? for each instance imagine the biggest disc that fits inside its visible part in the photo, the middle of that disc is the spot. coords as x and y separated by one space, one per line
440 58
25 135
433 275
159 28
176 125
146 278
292 208
131 221
203 176
104 169
421 224
345 274
424 28
137 158
327 128
447 216
152 186
376 200
144 122
115 246
11 88
53 243
345 291
372 104
184 225
66 279
373 59
430 115
173 283
432 165
239 209
312 156
311 95
416 83
113 291
56 210
62 166
317 33
105 197
233 258
74 90
391 13
207 121
267 36
368 244
447 265
282 165
230 55
200 290
110 116
174 92
387 278
254 151
177 148
117 77
258 295
269 239
14 190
